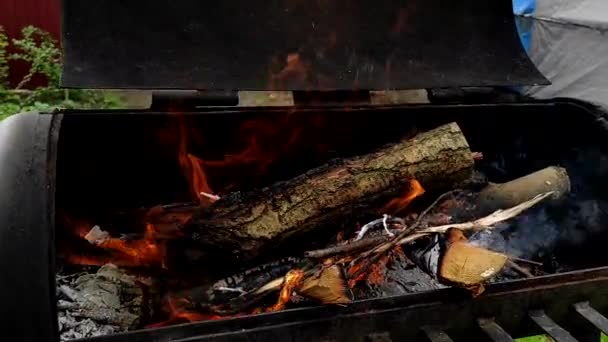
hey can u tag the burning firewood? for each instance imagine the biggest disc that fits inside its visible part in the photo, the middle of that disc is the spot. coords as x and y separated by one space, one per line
467 266
451 258
252 290
246 225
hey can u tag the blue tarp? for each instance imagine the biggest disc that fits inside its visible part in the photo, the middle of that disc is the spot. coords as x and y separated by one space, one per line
524 7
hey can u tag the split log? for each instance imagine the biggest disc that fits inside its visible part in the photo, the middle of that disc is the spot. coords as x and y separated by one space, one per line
246 225
500 196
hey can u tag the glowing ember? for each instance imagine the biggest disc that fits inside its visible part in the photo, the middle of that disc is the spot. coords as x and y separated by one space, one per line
177 315
377 271
399 204
192 167
293 279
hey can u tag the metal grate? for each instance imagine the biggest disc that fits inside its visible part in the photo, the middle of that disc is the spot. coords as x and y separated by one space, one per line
567 307
496 333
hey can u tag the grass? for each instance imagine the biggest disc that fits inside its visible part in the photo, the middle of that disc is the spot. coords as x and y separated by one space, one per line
544 338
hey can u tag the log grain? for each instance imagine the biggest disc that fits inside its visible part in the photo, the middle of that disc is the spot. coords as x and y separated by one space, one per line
248 224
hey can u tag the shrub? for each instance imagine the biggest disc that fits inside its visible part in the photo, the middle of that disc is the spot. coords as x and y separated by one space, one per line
3 59
38 48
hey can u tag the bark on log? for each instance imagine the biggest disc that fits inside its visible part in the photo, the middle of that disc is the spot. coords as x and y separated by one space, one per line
500 196
246 225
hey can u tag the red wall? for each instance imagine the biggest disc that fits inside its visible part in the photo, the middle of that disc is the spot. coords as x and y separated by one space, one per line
16 14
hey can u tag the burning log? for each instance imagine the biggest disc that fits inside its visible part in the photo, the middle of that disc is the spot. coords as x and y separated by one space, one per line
248 224
499 196
252 289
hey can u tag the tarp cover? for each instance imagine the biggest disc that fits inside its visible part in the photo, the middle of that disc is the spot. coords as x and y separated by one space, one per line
568 42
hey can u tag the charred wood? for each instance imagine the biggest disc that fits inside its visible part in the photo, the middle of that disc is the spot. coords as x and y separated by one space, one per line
249 224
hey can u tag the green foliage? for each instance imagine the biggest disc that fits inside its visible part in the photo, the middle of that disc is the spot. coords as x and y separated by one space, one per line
3 59
41 52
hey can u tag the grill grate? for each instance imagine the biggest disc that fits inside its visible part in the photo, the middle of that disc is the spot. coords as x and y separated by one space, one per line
497 334
567 307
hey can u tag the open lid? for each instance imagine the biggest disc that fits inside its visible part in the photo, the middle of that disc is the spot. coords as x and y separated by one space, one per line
293 44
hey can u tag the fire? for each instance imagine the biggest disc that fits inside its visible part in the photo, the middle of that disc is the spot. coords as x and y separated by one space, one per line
293 279
192 167
178 315
144 251
372 273
263 142
399 204
295 70
122 252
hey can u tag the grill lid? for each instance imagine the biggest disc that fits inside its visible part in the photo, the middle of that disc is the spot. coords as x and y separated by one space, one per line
292 44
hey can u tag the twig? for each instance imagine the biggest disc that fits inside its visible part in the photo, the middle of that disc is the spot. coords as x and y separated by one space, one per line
346 248
178 205
386 219
210 196
388 232
525 261
482 223
521 270
232 289
396 240
492 219
430 207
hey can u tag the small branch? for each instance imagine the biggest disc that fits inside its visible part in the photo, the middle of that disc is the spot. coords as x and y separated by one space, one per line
430 207
384 221
525 261
521 270
492 219
480 224
212 197
396 240
346 248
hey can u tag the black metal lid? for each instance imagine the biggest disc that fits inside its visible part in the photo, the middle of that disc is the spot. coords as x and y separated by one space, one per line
293 44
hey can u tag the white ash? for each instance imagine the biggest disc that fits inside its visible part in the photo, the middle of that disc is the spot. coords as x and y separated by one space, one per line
95 304
96 236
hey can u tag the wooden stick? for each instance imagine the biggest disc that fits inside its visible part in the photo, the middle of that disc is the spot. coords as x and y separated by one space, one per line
525 261
521 270
346 248
480 224
492 219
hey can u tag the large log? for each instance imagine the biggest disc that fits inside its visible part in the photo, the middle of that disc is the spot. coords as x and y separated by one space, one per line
245 225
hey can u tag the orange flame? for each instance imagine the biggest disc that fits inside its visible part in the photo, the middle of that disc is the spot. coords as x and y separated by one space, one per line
374 273
192 167
396 205
177 315
264 142
145 251
131 253
293 279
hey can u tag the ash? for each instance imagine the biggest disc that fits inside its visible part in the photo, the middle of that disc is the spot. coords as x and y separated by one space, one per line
94 304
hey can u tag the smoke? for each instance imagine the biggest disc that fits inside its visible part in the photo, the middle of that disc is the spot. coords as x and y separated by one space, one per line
538 232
